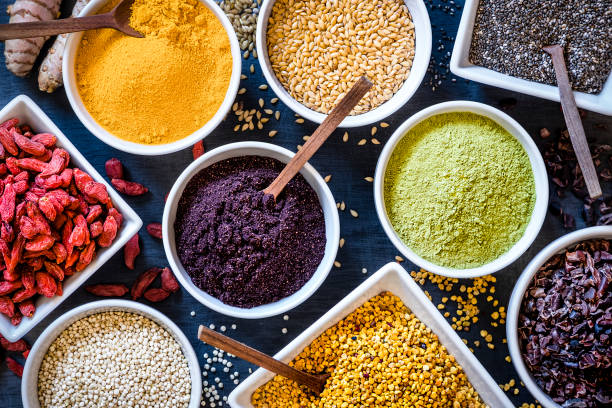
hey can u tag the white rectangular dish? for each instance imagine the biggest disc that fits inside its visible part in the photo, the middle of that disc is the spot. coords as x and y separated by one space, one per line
24 109
391 278
460 65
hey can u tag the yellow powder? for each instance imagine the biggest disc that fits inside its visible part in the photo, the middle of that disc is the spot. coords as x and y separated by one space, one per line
160 88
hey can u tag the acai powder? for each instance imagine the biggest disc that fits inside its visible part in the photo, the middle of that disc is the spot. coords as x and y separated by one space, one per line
241 246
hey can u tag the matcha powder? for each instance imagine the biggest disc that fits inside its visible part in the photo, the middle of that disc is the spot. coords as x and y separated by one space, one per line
459 190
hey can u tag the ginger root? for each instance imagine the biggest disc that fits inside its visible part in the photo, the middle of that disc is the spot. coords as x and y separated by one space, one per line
50 73
20 55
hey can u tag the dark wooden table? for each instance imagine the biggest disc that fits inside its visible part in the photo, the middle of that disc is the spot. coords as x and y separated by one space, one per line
366 244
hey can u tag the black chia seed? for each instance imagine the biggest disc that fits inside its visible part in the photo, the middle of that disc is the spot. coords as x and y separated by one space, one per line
509 35
237 244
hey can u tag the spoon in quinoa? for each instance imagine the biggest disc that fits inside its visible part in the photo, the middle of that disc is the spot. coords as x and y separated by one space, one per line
314 382
320 135
118 18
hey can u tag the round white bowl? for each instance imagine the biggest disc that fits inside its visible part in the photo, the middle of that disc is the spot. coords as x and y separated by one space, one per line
556 247
74 97
330 214
29 382
422 53
539 175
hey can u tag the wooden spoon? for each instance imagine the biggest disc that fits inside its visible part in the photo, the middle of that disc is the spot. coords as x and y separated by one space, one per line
574 124
319 136
118 18
314 382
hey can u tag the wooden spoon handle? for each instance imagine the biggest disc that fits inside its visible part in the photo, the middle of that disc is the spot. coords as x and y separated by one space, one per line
258 358
574 124
53 27
319 136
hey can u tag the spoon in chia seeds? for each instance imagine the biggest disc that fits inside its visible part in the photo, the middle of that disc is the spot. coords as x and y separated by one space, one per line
316 383
320 135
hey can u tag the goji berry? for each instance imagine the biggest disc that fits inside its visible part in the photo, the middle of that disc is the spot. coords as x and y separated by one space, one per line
156 294
7 233
22 175
54 270
6 253
28 163
17 317
27 308
80 179
168 281
14 366
49 182
26 353
45 139
96 191
27 277
198 149
60 288
8 141
94 212
46 284
11 123
131 251
7 204
3 168
143 281
47 208
72 258
40 243
60 252
11 165
45 157
59 161
86 256
116 215
7 307
66 177
106 290
15 253
19 345
80 233
27 227
155 230
114 168
109 232
24 294
130 188
95 229
29 146
20 187
7 287
11 275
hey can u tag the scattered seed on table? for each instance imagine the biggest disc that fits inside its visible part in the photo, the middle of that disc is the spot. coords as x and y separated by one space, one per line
328 178
252 68
305 138
273 100
342 206
361 142
345 137
261 102
263 87
354 213
341 242
272 133
337 264
193 313
268 111
277 115
375 141
384 124
241 91
242 76
399 258
284 330
373 131
364 270
299 120
285 317
369 179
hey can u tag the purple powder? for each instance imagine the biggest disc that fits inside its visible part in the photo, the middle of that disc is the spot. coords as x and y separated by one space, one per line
239 246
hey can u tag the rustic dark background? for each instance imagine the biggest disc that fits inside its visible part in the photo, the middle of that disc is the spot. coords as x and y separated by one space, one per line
366 244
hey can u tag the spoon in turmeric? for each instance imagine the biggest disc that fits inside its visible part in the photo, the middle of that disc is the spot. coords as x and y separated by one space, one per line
118 18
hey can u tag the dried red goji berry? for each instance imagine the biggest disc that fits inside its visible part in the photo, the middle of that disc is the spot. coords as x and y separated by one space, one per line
19 345
7 287
27 277
3 168
45 284
6 252
96 191
27 308
45 157
40 243
66 177
31 164
155 230
29 146
95 229
60 288
60 252
7 232
71 259
7 307
80 233
27 227
130 188
24 294
16 319
156 294
54 270
14 366
58 163
11 165
86 256
198 149
143 281
94 212
48 182
109 232
117 289
168 281
7 204
45 139
116 215
81 178
10 275
15 253
20 186
131 251
114 168
11 123
26 353
8 141
60 219
47 208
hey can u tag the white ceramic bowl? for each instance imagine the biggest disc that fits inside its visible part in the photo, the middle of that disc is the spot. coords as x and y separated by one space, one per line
390 278
70 84
539 175
460 65
422 29
330 214
556 247
29 382
29 113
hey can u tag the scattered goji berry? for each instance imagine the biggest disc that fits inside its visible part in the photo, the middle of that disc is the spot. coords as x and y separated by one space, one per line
143 281
14 366
130 188
131 251
168 281
198 149
19 345
46 284
156 294
114 168
107 289
155 230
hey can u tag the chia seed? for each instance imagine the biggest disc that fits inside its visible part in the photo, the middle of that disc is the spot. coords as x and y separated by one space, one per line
508 37
240 246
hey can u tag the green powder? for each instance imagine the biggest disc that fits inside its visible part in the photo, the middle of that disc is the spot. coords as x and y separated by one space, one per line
459 190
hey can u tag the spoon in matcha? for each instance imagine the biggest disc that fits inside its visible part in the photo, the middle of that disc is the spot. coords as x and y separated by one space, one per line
118 18
320 135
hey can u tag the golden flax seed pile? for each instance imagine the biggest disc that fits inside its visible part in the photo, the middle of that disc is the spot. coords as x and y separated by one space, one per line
380 355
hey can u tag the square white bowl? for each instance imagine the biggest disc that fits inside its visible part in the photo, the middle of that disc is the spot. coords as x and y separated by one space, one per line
390 278
24 109
460 65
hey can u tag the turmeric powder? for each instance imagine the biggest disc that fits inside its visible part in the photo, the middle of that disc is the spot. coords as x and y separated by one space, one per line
160 88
